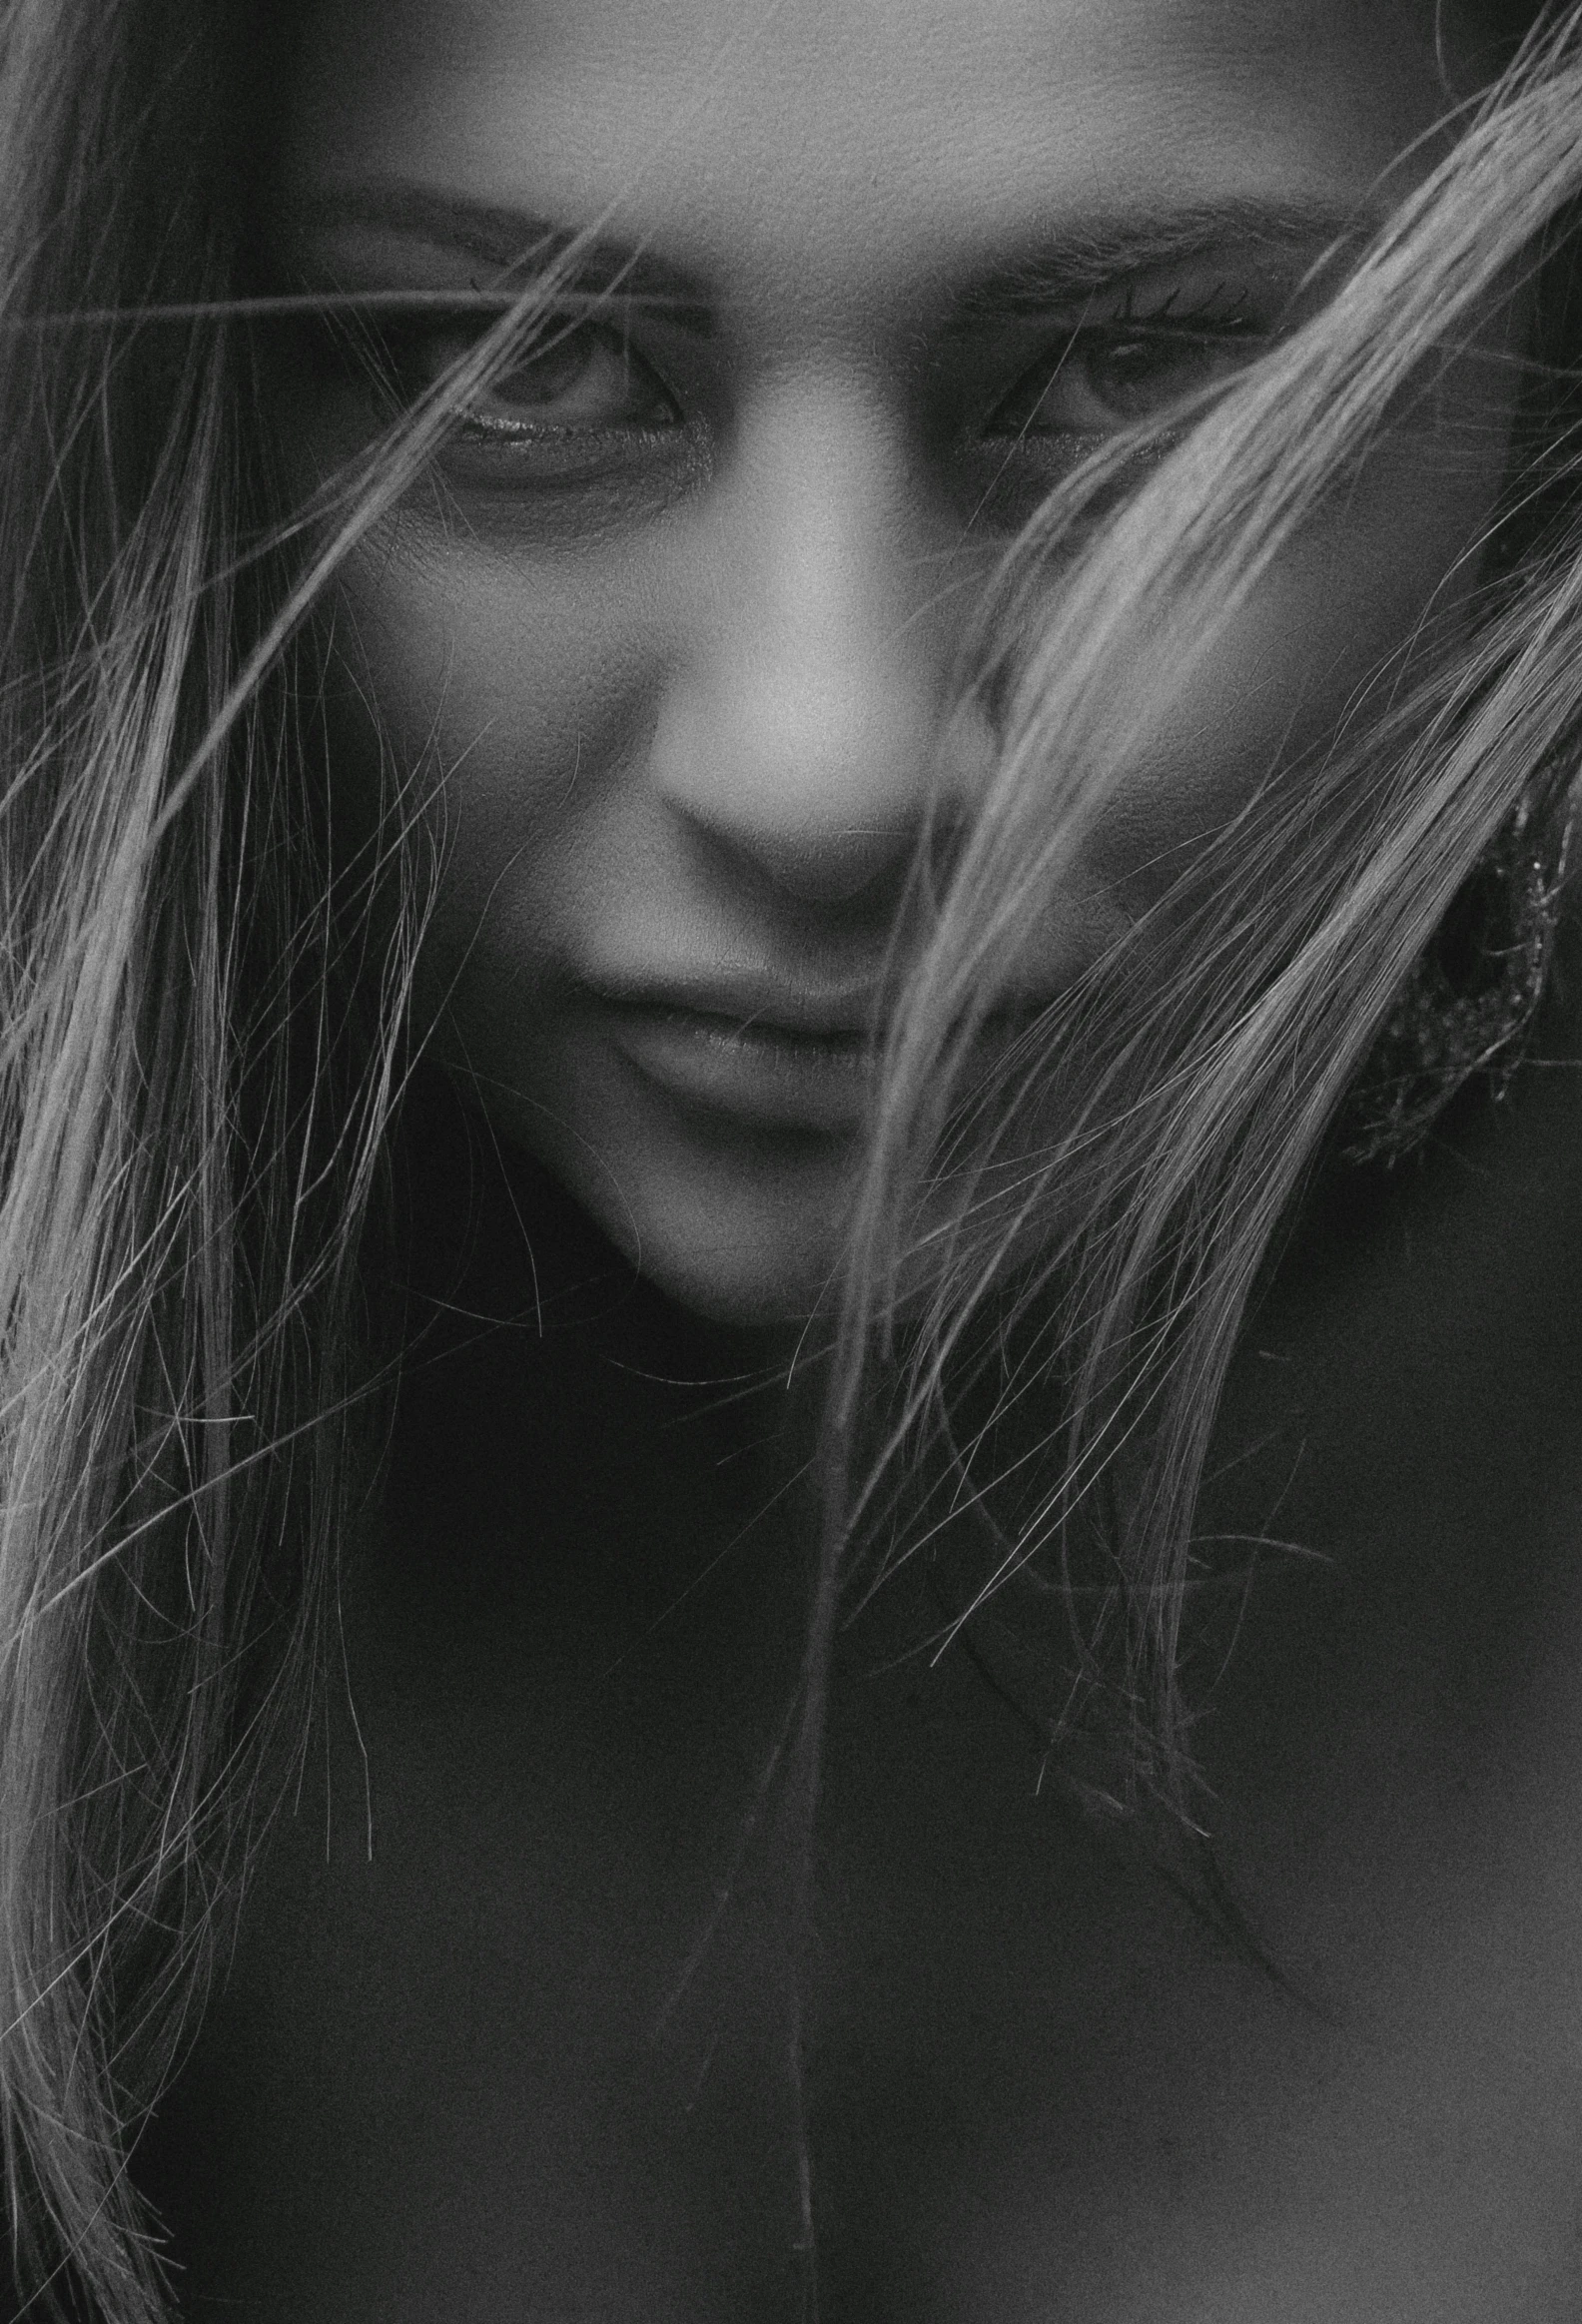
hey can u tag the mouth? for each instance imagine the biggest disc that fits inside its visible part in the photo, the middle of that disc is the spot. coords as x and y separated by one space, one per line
764 1056
791 1063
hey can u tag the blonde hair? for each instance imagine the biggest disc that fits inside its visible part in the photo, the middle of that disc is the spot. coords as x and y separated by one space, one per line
204 1014
1103 1204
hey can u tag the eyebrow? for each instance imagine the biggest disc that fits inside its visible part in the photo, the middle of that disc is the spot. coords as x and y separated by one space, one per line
517 246
1079 258
1093 254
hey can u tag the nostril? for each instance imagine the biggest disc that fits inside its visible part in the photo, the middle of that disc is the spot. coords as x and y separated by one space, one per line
849 869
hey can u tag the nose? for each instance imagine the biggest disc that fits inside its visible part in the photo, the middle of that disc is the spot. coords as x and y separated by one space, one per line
802 728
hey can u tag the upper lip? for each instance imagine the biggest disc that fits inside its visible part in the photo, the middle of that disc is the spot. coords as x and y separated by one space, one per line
752 1000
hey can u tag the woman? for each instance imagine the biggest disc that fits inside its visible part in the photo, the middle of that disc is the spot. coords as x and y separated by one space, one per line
788 1483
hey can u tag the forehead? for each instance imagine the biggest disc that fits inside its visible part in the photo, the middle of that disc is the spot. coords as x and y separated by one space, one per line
853 136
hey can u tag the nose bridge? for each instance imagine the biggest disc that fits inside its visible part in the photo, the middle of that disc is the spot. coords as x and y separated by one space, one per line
801 722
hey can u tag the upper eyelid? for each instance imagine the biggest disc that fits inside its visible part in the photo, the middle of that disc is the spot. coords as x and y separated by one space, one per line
483 307
616 304
437 317
1178 302
543 330
1139 297
1166 326
600 288
574 302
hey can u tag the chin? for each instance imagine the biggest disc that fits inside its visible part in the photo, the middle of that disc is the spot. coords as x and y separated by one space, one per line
741 1227
754 1256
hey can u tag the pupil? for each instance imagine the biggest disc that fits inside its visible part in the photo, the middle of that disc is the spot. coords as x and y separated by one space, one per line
1134 359
1136 370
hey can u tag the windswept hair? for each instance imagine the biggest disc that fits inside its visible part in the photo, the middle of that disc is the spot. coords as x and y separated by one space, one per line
1065 1247
205 993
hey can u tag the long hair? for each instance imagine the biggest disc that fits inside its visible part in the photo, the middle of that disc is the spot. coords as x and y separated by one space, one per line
1064 1244
203 998
196 1072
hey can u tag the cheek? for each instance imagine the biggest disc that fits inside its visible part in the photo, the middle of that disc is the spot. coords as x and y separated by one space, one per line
1351 609
513 688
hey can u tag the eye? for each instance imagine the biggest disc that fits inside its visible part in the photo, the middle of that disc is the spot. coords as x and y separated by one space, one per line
587 379
1105 376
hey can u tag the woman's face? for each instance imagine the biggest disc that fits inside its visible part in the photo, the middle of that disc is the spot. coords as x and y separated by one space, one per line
677 612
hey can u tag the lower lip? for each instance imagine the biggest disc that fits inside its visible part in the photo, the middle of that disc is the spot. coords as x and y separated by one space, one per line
760 1075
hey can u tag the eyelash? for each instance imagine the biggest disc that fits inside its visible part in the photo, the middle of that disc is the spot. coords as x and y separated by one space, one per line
1208 311
400 358
1220 321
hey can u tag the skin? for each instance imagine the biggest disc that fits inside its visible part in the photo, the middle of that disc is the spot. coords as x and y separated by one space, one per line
448 2073
685 694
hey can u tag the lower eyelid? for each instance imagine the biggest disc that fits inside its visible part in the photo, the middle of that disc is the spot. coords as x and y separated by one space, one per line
659 412
524 456
489 429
